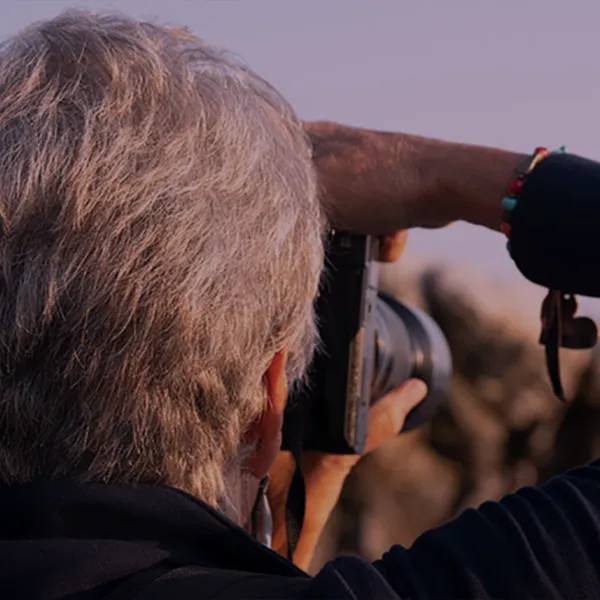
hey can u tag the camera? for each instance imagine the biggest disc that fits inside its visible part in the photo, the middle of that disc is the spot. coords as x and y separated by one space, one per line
369 344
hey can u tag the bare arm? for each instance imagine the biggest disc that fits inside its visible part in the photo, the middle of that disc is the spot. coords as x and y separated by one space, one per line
377 182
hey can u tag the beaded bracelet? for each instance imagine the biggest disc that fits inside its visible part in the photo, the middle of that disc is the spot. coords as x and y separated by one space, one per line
510 201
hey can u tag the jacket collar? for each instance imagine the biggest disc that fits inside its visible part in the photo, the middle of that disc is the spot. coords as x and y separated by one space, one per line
177 526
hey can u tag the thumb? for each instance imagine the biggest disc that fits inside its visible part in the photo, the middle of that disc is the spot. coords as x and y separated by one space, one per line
387 415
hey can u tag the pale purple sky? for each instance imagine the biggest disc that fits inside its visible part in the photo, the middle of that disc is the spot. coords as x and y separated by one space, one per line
514 74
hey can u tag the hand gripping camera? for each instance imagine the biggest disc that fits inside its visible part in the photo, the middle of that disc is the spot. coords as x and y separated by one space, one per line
370 344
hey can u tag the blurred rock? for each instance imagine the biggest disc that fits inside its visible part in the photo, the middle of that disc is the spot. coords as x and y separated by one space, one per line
500 429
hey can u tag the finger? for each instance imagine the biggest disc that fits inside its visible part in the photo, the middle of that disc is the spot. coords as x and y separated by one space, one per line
387 416
392 246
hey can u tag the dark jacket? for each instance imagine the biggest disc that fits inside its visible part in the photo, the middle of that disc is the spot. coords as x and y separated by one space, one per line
86 542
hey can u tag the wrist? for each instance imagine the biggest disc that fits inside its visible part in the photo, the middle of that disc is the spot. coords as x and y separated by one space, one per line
472 182
449 181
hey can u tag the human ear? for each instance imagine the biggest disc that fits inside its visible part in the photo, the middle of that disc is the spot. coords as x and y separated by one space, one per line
267 428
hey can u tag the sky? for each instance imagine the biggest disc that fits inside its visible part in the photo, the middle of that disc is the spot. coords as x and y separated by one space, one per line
514 74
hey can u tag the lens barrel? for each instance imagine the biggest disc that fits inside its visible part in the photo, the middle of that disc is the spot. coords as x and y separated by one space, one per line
410 344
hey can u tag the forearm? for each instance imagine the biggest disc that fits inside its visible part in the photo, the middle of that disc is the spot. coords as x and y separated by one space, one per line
320 502
472 180
456 182
538 543
381 182
324 484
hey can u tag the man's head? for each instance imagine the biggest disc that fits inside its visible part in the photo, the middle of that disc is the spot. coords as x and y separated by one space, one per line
160 246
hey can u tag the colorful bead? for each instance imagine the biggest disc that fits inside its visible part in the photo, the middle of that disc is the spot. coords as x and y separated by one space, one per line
516 186
509 203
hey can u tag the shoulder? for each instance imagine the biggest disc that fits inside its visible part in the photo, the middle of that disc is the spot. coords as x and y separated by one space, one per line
199 583
351 578
346 578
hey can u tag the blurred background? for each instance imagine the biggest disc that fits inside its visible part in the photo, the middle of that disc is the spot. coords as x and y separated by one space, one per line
509 74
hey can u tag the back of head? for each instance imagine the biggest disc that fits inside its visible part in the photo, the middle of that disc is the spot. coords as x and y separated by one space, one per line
159 241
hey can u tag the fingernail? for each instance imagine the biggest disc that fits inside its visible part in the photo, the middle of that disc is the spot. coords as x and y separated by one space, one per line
416 389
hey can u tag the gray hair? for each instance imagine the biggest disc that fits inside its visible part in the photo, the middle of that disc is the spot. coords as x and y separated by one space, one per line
160 240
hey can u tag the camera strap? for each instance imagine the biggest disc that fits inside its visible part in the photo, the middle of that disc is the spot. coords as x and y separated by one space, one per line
560 329
296 501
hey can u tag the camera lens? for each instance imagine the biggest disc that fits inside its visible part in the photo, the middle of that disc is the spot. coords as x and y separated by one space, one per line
410 344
